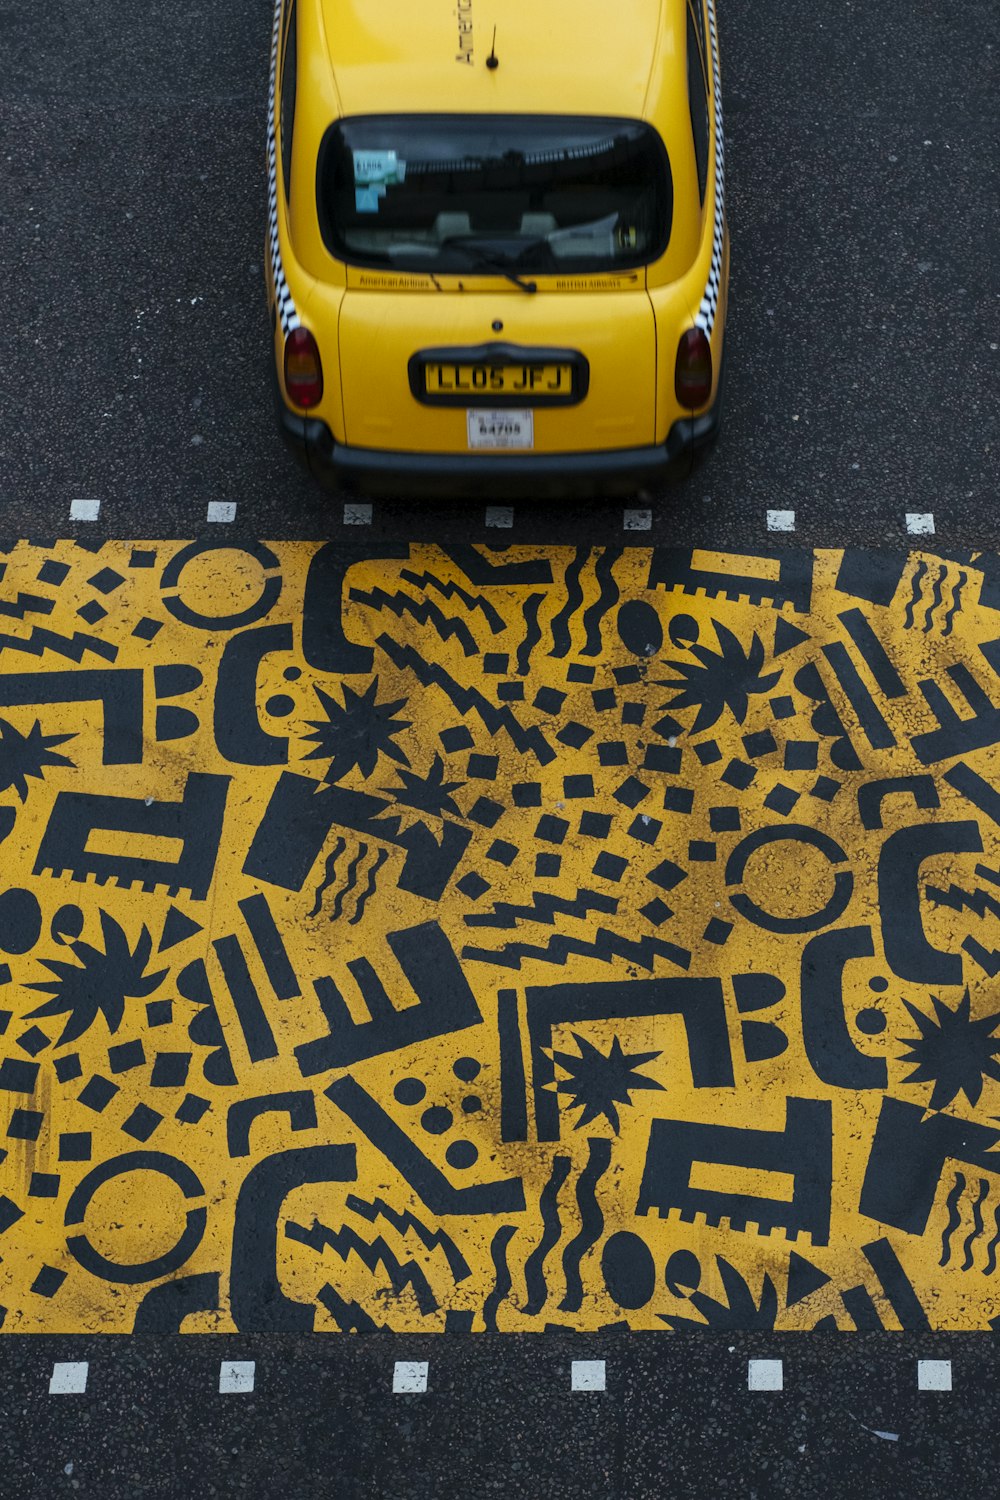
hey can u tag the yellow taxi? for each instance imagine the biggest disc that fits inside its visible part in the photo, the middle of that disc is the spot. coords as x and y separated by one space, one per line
497 255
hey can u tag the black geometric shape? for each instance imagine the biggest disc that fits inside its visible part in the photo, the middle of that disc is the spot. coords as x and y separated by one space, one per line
656 911
142 1122
604 698
502 852
843 887
633 713
485 812
459 738
68 1067
196 820
610 866
446 1005
495 662
437 1120
739 775
551 828
825 789
549 700
678 799
577 672
645 829
801 755
803 1278
628 1269
761 743
126 1055
575 735
261 606
33 1041
757 991
631 792
824 718
164 1307
238 732
270 946
896 1284
724 819
869 575
98 1093
106 581
52 572
639 628
173 723
250 1013
908 1157
782 707
298 1104
666 874
120 1166
191 1109
177 926
409 1091
159 1012
803 1151
717 932
20 920
787 636
483 767
862 1310
324 642
907 949
921 788
44 1185
781 799
526 794
869 715
25 1125
708 752
467 1068
513 1097
118 689
172 679
667 758
75 1145
142 557
170 1070
701 851
461 1155
762 1041
973 787
147 628
591 1222
612 753
624 675
873 653
674 567
9 1213
595 825
547 867
92 612
578 786
18 1076
48 1281
472 885
67 924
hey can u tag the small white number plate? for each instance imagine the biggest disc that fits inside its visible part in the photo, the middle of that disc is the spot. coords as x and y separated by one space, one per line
501 429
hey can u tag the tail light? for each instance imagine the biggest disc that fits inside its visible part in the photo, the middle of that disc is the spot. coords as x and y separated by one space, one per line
303 369
693 371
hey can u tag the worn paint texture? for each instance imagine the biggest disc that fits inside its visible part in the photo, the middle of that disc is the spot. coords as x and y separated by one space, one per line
497 938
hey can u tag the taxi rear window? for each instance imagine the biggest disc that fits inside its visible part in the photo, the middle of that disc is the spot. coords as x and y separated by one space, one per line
545 194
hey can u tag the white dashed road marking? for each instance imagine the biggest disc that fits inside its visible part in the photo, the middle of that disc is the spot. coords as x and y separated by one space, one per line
84 510
587 1375
409 1377
765 1375
500 515
933 1374
637 520
69 1379
236 1377
920 523
221 510
781 520
357 513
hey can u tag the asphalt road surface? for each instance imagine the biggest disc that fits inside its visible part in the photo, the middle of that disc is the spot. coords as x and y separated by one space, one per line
862 390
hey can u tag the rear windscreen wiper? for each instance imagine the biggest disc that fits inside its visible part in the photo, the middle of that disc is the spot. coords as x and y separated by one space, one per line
488 261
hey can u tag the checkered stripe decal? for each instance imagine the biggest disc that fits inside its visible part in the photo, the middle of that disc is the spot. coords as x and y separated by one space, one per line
710 301
286 307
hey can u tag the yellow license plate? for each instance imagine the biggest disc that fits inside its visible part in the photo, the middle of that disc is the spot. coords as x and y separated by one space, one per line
525 380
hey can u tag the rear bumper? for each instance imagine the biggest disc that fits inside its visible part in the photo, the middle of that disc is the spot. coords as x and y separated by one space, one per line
339 466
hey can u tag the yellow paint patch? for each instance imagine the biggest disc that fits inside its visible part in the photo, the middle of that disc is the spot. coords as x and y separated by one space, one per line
495 939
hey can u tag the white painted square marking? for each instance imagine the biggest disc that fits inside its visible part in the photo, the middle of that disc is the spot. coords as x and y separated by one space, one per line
637 520
781 520
84 510
221 510
357 513
500 515
69 1379
587 1375
409 1377
933 1374
765 1375
236 1377
920 523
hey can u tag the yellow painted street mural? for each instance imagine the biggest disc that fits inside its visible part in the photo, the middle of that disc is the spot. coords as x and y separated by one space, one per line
497 939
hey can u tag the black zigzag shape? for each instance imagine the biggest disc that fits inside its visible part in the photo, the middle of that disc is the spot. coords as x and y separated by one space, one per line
403 1220
957 899
424 611
464 699
343 1241
73 647
26 604
544 908
606 946
450 590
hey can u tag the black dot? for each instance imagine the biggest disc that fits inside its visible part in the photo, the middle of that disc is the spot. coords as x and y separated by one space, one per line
471 1103
67 924
437 1119
461 1154
683 631
870 1021
466 1068
280 705
878 984
683 1272
409 1091
292 674
20 920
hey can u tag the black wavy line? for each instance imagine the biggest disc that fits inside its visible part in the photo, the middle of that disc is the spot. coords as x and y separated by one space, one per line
608 597
977 1223
383 855
328 874
501 1282
591 1222
936 596
951 1204
532 633
574 598
534 1266
917 580
352 869
956 600
991 1249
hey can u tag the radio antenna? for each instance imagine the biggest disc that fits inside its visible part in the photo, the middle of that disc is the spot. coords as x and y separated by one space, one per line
493 61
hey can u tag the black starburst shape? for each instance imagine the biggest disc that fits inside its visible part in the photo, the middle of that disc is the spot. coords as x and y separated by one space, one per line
953 1051
99 983
24 755
357 732
739 1313
598 1082
430 793
722 679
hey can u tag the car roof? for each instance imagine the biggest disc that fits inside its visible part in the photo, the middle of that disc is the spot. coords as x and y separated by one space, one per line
553 56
